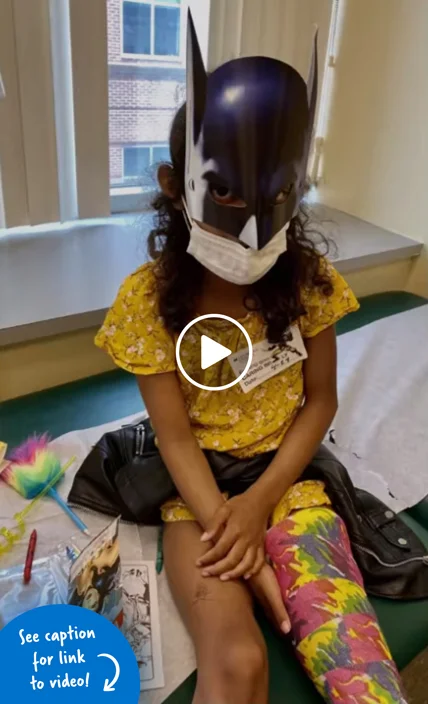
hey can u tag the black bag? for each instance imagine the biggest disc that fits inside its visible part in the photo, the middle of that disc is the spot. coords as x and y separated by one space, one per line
125 474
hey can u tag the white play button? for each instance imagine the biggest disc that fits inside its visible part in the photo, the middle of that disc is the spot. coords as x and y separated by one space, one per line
212 352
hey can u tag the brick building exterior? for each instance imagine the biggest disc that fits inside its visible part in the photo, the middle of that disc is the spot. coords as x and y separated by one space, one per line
144 91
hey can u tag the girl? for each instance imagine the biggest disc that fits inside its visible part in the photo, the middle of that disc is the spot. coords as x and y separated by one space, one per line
239 156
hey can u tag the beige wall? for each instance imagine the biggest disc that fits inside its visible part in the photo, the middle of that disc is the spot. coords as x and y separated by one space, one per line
376 156
49 362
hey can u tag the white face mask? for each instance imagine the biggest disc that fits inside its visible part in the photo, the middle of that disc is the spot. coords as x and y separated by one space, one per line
228 259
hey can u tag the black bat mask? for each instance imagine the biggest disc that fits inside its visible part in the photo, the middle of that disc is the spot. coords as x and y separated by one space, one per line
249 132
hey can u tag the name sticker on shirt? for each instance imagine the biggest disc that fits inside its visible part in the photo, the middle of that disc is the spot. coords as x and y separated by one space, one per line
268 360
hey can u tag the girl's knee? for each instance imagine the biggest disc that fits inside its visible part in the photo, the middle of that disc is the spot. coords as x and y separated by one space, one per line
243 659
234 668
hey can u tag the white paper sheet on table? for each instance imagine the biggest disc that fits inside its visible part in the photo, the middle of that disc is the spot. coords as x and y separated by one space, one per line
381 426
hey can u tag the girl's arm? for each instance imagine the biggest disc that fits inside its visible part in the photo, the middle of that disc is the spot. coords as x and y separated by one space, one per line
244 517
311 425
181 453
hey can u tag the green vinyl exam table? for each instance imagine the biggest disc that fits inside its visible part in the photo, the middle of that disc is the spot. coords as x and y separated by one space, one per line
112 396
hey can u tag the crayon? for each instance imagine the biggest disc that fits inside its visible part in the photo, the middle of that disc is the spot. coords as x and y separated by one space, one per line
30 557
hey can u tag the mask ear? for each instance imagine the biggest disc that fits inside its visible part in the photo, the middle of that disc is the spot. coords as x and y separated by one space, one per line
313 83
312 104
196 85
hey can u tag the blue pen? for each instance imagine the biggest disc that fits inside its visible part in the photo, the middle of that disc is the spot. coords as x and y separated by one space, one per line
70 513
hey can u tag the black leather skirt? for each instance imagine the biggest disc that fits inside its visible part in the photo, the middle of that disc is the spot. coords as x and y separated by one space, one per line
125 475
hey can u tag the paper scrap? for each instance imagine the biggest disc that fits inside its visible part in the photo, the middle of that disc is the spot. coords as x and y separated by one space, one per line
141 625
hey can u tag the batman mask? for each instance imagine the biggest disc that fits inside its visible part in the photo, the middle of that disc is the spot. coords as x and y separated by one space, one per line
249 132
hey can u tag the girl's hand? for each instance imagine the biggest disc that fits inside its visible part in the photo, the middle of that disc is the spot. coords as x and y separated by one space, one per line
266 590
238 530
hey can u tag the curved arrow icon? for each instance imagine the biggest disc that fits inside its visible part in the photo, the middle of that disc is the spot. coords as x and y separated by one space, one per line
109 686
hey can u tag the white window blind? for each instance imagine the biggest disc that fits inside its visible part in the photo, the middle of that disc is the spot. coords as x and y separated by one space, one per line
282 29
316 170
12 161
88 26
53 121
34 68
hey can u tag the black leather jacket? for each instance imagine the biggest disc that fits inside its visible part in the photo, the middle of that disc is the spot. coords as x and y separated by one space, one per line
124 474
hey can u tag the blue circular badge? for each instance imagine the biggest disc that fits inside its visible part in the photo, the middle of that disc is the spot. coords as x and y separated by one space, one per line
66 654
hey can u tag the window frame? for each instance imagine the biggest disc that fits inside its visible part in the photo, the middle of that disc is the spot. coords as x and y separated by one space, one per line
157 58
126 198
133 146
123 198
150 146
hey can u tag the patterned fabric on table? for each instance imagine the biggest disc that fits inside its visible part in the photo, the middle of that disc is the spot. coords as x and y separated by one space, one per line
335 630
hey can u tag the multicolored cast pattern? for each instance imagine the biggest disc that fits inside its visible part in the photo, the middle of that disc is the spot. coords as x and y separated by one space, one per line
337 637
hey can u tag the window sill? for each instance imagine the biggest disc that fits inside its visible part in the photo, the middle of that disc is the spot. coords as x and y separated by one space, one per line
62 278
130 199
152 59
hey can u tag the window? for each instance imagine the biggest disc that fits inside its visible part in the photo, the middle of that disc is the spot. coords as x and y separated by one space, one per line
161 154
135 161
82 143
152 28
147 85
138 160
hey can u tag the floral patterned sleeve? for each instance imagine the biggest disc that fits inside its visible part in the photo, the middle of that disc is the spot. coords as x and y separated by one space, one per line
133 333
324 311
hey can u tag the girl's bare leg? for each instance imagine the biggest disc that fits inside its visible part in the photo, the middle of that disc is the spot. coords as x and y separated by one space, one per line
230 650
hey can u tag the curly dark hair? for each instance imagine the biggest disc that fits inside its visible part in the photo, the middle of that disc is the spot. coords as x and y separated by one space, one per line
277 296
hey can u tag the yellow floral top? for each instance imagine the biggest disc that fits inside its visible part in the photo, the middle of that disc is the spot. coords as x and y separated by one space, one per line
242 424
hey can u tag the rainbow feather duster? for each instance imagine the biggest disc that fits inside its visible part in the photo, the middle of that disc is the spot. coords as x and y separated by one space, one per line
32 467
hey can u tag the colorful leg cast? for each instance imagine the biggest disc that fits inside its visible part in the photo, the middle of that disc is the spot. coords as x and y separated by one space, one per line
336 634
